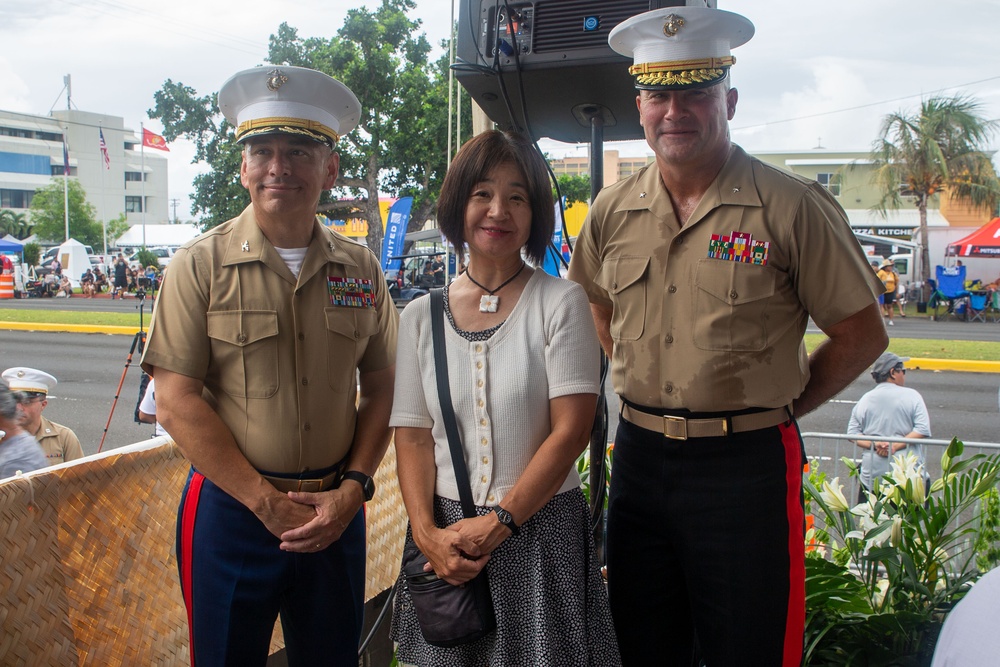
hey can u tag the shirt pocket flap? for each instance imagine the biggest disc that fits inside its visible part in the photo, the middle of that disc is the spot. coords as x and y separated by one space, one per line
353 323
242 327
619 273
737 283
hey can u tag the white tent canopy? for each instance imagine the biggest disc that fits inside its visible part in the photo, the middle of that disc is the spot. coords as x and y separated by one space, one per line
157 235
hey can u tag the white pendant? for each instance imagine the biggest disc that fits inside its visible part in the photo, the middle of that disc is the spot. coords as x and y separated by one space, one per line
488 303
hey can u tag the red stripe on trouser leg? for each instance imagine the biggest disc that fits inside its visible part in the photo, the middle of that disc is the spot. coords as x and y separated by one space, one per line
188 515
795 624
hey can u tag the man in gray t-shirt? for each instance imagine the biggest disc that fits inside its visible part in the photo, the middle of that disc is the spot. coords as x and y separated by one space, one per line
889 410
18 449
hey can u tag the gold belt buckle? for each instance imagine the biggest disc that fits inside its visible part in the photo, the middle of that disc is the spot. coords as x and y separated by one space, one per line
311 485
680 420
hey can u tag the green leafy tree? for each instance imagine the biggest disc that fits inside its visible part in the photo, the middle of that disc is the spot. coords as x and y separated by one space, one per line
938 149
378 56
218 194
48 214
32 253
575 188
423 148
399 145
113 229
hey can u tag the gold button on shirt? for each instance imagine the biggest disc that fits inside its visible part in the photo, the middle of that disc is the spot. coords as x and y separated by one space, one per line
703 333
278 359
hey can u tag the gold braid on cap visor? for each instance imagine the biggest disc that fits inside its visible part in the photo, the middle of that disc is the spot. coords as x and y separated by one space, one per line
681 73
308 128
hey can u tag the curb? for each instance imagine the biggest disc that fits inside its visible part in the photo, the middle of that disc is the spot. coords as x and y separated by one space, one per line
69 328
953 365
959 365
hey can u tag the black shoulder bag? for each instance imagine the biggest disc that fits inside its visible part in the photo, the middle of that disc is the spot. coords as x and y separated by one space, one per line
448 615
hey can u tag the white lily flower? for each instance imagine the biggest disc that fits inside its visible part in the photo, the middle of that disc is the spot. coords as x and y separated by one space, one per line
833 495
896 534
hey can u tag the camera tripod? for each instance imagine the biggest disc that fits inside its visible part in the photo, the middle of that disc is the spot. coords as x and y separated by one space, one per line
138 343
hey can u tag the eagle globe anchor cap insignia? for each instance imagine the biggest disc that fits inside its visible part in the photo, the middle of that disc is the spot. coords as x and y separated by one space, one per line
672 25
275 80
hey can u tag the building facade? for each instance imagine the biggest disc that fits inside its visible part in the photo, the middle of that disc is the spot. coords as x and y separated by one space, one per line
134 180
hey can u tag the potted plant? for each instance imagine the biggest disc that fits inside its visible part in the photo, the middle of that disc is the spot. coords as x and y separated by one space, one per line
897 563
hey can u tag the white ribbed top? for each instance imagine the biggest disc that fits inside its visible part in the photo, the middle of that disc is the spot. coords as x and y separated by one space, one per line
500 387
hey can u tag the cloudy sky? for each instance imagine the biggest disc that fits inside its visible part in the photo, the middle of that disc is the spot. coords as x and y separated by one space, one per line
814 73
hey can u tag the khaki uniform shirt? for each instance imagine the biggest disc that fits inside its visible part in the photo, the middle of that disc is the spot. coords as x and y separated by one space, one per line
710 317
58 442
278 356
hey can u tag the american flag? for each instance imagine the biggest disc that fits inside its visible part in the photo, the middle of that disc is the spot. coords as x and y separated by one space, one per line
104 151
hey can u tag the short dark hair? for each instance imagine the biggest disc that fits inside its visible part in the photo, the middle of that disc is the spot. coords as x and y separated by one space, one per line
474 161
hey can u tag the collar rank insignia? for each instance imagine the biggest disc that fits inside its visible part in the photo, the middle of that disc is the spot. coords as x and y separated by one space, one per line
351 292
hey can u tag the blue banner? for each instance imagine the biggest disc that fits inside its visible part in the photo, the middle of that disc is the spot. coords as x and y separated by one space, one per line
552 264
395 233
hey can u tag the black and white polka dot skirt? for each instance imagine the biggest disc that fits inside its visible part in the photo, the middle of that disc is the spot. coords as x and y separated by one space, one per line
550 601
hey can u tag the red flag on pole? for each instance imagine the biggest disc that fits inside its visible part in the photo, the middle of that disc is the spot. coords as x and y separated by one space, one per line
153 140
104 151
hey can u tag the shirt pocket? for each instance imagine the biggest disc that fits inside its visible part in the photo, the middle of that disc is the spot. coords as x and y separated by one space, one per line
347 333
624 279
245 351
731 305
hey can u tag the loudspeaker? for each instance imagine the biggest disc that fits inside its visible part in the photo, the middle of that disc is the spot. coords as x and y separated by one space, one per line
545 66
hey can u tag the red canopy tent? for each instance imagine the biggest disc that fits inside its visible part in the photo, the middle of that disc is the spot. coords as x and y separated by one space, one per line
984 242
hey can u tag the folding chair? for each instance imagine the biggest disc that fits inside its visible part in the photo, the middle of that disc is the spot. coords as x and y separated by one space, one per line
994 307
950 289
978 302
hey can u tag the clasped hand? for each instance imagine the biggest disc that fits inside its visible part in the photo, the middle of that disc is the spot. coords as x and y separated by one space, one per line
310 522
452 555
883 448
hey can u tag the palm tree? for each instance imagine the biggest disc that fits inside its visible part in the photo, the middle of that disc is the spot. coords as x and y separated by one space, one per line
938 149
14 223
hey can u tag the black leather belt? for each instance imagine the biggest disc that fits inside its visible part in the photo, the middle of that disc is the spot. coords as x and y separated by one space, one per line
683 428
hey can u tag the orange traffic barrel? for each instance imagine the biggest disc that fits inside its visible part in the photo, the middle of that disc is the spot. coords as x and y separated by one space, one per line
7 287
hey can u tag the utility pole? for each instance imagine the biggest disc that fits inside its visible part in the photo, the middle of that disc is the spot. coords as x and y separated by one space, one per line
174 202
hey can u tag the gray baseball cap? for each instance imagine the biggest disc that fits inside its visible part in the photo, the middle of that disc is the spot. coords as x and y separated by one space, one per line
887 362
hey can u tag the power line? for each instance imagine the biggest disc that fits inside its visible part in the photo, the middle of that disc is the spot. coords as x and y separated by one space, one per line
864 106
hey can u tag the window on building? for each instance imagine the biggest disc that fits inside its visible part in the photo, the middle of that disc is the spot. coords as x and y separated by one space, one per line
133 204
831 182
133 176
15 198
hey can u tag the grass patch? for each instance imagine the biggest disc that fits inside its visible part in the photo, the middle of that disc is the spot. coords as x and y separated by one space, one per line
973 350
74 317
904 347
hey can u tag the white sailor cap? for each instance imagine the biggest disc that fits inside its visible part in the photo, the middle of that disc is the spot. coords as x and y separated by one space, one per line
289 100
678 48
29 380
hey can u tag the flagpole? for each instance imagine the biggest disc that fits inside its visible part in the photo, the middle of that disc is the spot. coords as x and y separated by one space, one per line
66 187
142 153
104 205
69 107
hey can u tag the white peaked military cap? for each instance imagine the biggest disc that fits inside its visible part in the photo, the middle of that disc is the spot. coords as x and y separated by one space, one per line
678 48
289 100
20 378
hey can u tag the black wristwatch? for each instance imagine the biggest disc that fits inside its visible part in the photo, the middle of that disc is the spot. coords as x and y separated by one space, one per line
504 517
366 482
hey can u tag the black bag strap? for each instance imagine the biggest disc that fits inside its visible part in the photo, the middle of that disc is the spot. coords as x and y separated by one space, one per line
447 408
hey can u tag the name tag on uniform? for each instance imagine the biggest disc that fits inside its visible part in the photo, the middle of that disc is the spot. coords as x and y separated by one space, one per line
739 247
351 292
